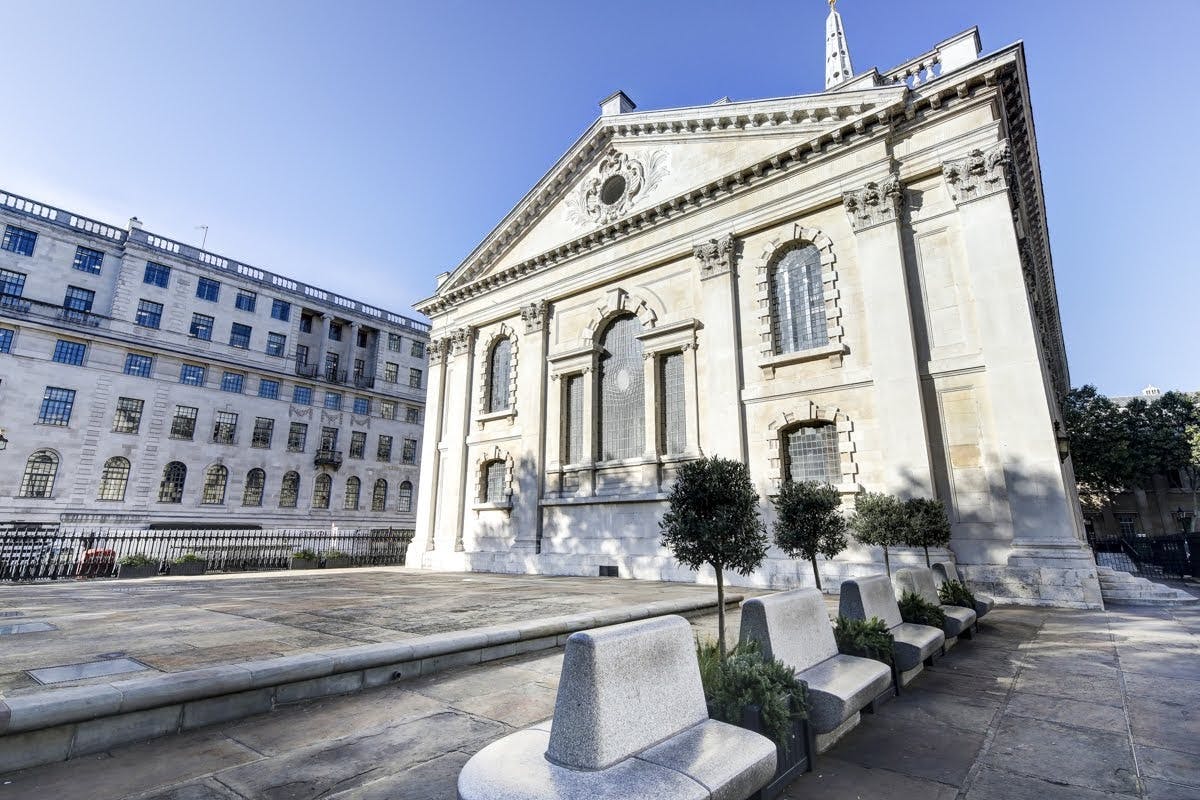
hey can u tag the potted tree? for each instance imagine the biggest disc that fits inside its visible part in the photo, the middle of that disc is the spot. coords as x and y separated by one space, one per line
927 524
712 518
336 559
189 564
138 565
304 559
809 522
879 520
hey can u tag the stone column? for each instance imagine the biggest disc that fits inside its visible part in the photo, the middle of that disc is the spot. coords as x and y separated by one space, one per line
723 379
874 213
429 486
532 417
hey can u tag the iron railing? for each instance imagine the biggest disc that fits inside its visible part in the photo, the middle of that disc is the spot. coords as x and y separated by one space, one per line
328 458
32 555
1171 555
18 304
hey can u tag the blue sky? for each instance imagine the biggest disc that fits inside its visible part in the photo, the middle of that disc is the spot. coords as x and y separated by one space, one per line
366 147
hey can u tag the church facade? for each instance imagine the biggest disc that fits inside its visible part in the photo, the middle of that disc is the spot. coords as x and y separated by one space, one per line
853 287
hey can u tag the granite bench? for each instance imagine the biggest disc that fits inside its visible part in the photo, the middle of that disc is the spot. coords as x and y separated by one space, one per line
946 571
919 581
630 721
872 596
794 628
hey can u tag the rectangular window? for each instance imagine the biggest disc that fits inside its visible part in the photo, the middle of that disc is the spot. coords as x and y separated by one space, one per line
306 323
335 331
245 300
414 378
232 382
1127 524
409 453
358 444
129 415
268 388
139 365
297 434
395 342
362 338
56 406
6 337
672 428
362 405
225 427
301 354
88 260
264 429
191 375
302 395
572 420
281 310
384 451
333 401
360 366
391 372
387 409
276 344
12 283
183 424
149 314
418 349
157 274
208 289
202 327
18 240
412 414
331 368
69 352
78 299
239 336
329 438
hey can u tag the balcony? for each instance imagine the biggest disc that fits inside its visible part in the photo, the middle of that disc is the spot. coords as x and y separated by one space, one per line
328 458
16 304
333 375
306 370
364 381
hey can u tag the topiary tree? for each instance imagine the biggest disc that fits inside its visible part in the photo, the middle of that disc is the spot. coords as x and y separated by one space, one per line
809 522
879 519
712 518
927 524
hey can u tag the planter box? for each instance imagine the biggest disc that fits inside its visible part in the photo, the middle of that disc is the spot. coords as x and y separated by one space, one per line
790 764
303 563
145 571
189 568
340 562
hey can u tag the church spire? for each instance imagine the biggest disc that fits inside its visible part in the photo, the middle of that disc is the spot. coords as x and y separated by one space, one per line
837 55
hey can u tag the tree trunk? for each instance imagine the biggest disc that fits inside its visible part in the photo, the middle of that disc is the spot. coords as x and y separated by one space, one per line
816 572
721 611
927 563
887 562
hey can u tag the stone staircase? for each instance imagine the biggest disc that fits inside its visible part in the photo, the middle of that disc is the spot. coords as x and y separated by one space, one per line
1121 588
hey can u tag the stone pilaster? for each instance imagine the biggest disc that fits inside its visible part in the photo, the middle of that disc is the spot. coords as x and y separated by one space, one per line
429 486
454 478
723 379
531 397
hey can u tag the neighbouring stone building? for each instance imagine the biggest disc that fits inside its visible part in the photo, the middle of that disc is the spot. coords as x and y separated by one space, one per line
853 286
148 383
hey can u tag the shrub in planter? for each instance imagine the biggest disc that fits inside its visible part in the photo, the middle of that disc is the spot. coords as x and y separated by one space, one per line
880 520
189 564
865 638
138 565
336 559
304 559
955 593
928 524
809 522
918 610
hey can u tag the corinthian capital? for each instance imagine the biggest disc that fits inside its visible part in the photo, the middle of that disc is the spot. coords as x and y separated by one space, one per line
438 347
460 340
715 256
534 315
979 174
874 204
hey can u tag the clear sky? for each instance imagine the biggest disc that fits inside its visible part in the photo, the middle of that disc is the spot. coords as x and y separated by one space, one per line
367 146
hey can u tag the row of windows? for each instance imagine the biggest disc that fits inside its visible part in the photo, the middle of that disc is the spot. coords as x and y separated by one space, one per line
210 290
41 470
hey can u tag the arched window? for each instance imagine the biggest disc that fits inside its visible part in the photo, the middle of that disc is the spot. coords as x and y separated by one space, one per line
256 481
215 478
499 375
322 487
289 490
405 504
810 453
798 320
353 487
40 469
114 479
494 483
379 496
171 488
622 391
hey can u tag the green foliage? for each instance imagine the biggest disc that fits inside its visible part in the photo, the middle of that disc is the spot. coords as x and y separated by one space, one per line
188 558
305 555
744 678
1101 445
865 638
954 593
880 520
809 522
137 560
335 554
927 524
918 610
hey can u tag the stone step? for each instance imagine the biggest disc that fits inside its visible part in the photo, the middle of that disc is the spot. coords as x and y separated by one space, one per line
1127 589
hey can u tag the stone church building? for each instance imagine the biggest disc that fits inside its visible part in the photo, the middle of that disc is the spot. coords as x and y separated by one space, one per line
852 287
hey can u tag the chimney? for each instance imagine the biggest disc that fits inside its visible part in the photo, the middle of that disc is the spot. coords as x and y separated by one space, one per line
616 103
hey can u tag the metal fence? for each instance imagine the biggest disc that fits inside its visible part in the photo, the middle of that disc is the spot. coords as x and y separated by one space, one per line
1169 556
32 555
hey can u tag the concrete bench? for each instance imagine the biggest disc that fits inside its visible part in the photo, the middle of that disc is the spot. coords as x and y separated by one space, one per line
794 628
946 571
919 581
630 721
872 596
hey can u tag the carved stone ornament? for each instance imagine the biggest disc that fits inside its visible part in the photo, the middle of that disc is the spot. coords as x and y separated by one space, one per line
534 315
715 256
460 341
620 182
874 204
437 349
980 174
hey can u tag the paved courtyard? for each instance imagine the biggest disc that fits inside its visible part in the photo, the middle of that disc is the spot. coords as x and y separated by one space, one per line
1042 704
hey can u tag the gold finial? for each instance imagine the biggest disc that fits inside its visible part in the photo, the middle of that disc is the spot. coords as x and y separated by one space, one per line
832 3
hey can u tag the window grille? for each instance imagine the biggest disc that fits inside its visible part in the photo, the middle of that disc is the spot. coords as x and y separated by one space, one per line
183 426
297 434
414 378
171 488
405 501
208 289
239 335
232 382
494 483
412 414
622 391
418 349
139 365
358 444
202 326
353 488
88 260
384 451
798 302
1127 524
69 352
362 405
40 471
12 283
225 428
256 481
264 431
191 375
79 299
302 395
322 488
157 274
56 406
268 388
391 372
672 407
329 438
333 401
18 240
129 415
289 490
149 314
245 300
573 420
113 479
812 454
379 496
276 345
499 374
409 454
387 409
215 478
394 342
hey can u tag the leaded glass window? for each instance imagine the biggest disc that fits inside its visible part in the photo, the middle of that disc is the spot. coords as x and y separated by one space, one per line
264 431
672 405
622 391
256 481
129 415
811 454
405 503
322 488
183 424
215 478
494 483
289 490
171 488
114 479
225 427
353 488
798 302
573 420
379 496
499 373
40 470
